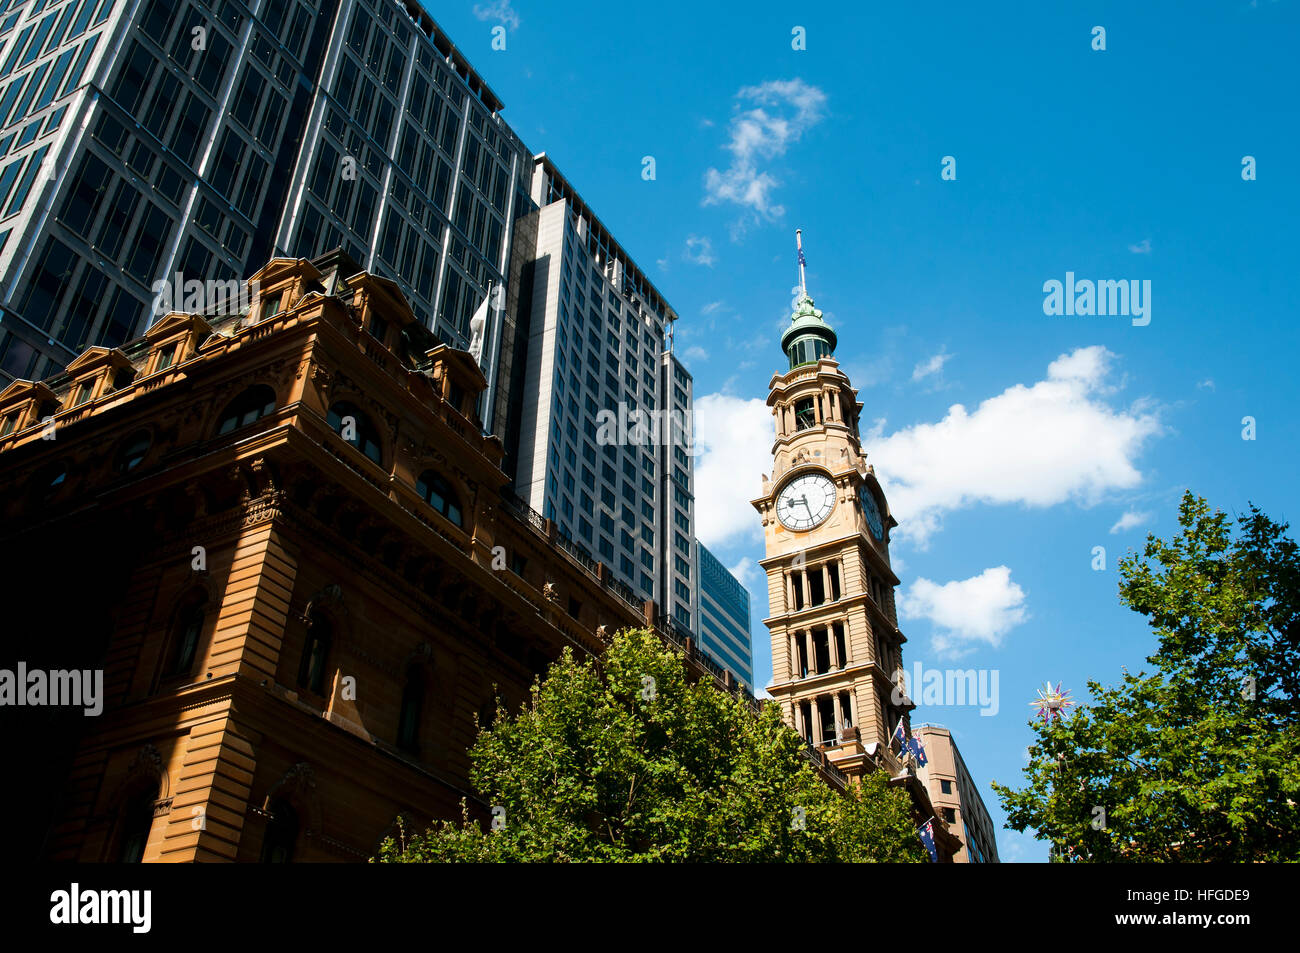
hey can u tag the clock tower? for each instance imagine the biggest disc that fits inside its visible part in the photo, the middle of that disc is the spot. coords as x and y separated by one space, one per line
836 646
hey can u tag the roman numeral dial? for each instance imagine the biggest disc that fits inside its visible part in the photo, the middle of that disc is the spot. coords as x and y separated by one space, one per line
805 502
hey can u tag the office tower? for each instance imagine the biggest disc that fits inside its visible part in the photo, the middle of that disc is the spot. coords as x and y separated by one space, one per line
956 797
678 585
724 617
586 440
200 137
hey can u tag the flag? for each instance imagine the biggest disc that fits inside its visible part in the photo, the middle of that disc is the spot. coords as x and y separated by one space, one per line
477 328
898 736
802 260
918 750
927 838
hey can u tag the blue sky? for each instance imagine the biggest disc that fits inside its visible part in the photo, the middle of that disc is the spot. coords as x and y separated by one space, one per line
1071 432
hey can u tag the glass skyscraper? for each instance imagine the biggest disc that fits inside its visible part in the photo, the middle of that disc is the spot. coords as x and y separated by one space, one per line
201 137
591 335
724 617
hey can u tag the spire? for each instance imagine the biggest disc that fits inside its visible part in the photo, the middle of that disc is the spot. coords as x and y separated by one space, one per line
809 338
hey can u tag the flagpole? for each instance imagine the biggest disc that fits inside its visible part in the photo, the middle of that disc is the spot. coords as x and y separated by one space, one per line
803 282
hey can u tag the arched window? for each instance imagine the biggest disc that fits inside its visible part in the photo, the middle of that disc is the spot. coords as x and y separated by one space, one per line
437 492
134 449
281 833
253 404
408 727
351 423
137 821
185 638
804 414
311 670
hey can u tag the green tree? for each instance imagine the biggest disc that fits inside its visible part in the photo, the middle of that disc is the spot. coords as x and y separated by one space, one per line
1199 760
624 758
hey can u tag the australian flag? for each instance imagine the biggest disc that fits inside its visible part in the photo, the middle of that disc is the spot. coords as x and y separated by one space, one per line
802 261
918 751
927 838
899 736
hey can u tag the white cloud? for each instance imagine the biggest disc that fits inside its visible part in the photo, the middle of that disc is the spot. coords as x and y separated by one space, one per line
699 250
1141 248
695 353
749 573
734 438
1129 520
933 365
500 10
1206 384
1037 445
966 612
711 307
778 114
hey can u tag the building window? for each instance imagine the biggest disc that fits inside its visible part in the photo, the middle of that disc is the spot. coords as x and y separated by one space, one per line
137 821
437 492
185 641
408 727
271 306
804 414
351 423
945 786
251 405
950 815
311 670
133 451
281 833
165 358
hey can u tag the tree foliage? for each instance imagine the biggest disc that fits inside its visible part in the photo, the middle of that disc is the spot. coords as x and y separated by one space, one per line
1200 759
624 758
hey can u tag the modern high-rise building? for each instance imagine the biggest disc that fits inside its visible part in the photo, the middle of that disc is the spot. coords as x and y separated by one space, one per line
586 439
724 617
142 140
955 796
678 584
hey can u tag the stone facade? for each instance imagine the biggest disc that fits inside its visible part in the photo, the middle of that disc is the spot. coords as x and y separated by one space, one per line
283 537
836 645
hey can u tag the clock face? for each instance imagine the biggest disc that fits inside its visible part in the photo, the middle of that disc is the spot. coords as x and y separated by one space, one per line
805 502
872 512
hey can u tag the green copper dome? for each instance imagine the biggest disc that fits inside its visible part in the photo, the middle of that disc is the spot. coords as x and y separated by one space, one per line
808 338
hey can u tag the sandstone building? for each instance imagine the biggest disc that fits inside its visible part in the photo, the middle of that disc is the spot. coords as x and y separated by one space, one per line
836 645
284 538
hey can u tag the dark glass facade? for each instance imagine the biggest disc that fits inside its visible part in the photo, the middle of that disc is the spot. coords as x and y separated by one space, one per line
194 139
724 617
